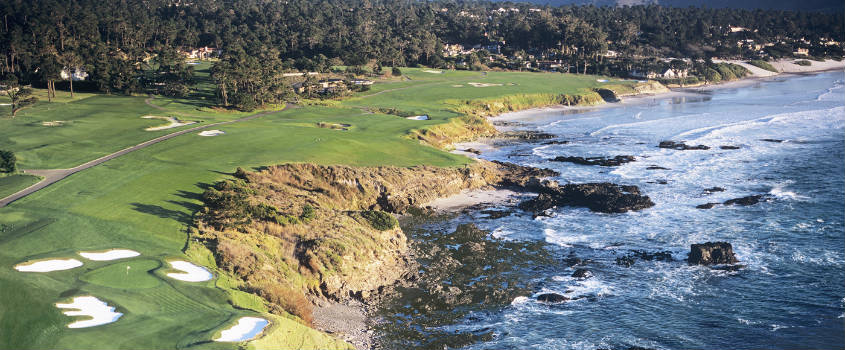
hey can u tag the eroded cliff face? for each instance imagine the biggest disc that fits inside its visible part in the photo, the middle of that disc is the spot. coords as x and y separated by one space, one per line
295 232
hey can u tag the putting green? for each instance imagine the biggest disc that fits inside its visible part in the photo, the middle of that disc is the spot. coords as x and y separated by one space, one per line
135 274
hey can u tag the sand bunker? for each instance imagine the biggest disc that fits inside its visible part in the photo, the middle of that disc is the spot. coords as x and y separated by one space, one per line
246 329
192 273
100 312
211 133
457 85
53 123
419 117
483 84
112 254
601 80
433 71
174 123
48 265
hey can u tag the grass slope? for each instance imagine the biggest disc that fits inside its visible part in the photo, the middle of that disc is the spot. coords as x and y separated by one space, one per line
145 201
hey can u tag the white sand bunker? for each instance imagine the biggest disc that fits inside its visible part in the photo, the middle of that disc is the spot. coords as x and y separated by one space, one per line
433 71
192 273
53 123
174 123
112 254
483 84
100 312
211 133
246 329
457 85
419 117
48 265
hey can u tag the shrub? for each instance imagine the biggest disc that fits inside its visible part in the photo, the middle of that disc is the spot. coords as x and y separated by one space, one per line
803 63
8 162
308 213
380 220
236 258
396 72
763 64
291 300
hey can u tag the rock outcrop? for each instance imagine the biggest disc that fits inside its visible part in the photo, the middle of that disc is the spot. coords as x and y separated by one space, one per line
681 146
600 161
711 253
552 298
747 200
601 197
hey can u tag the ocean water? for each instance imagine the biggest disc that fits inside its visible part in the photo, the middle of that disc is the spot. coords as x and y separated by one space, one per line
789 294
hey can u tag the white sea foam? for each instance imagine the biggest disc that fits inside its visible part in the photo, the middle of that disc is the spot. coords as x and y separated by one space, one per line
48 265
100 312
192 273
112 254
246 329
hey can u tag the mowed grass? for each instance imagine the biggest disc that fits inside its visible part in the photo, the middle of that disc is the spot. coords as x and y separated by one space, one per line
436 94
13 183
145 201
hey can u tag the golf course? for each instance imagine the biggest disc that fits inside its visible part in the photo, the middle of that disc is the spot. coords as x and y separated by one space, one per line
145 200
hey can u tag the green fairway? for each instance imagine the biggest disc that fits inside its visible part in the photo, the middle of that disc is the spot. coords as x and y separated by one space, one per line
14 183
145 201
436 94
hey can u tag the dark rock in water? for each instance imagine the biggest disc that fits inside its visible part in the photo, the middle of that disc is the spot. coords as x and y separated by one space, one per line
712 190
576 261
706 205
659 182
773 140
551 298
747 200
655 167
601 161
472 150
527 135
496 214
556 142
711 253
630 259
659 256
601 197
626 261
582 274
728 147
681 146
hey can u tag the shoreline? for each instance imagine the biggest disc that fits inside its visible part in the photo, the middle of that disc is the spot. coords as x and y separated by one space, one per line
351 321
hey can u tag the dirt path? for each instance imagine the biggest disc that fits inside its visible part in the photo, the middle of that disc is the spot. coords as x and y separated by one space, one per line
52 176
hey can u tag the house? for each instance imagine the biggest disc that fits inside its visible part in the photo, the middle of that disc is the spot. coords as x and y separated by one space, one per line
801 52
671 74
361 82
643 74
551 65
79 74
737 29
202 53
611 54
451 50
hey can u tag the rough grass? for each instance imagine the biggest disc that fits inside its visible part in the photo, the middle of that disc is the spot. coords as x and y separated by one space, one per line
10 184
763 64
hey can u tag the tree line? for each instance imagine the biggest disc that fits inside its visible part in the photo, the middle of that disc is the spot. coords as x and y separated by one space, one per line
130 46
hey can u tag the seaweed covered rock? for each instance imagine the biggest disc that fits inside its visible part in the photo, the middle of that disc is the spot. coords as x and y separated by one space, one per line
681 146
600 161
601 197
552 298
712 253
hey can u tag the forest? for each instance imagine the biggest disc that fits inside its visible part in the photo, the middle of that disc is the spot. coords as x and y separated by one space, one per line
134 46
